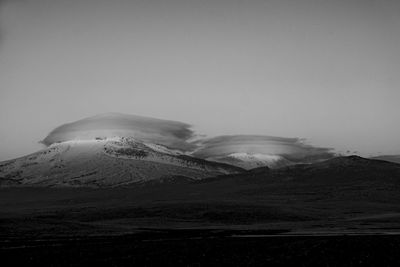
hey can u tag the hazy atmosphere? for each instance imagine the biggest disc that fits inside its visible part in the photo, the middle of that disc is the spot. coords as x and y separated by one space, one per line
327 71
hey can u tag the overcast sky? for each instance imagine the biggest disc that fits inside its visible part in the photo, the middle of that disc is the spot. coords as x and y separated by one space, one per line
324 70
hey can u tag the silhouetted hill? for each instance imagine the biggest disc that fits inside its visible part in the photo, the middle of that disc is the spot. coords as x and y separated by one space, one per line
390 158
343 169
351 169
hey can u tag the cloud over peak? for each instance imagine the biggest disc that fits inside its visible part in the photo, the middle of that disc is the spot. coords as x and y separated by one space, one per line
294 149
178 135
165 132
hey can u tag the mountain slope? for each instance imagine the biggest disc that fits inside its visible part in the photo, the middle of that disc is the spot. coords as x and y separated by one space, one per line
106 162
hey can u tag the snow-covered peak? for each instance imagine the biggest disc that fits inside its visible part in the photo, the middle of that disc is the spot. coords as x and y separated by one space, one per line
250 161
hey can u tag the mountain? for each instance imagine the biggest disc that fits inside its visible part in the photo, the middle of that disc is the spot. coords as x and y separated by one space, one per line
244 151
391 158
250 161
106 162
116 149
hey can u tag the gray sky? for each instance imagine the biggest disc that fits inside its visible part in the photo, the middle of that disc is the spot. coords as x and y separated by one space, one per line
327 70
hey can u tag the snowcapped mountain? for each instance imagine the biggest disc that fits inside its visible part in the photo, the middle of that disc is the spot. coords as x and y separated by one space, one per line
106 162
250 161
115 149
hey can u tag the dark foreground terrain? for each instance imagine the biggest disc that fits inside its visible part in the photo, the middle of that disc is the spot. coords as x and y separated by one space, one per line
343 212
189 225
200 248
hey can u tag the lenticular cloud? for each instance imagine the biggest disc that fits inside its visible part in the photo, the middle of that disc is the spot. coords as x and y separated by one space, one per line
172 134
177 135
293 149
